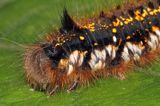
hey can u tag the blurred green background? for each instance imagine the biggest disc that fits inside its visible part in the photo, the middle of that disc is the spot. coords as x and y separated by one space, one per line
24 22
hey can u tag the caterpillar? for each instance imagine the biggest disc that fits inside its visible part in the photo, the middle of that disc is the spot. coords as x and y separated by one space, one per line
108 45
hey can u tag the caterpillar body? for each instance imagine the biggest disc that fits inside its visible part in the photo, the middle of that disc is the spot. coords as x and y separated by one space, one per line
106 46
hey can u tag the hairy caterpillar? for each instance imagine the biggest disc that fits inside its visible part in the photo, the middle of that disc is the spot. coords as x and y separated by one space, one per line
107 45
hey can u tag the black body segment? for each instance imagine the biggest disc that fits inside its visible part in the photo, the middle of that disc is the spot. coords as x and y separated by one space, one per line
133 26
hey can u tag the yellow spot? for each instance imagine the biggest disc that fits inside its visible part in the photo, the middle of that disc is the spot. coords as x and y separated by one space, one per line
154 28
121 24
148 9
57 44
114 30
151 13
138 16
81 37
130 19
90 26
128 37
155 11
137 12
145 13
117 23
126 22
122 18
92 30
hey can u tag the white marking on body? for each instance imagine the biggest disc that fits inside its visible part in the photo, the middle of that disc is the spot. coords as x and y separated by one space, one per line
70 69
113 53
153 42
81 58
98 59
92 64
125 55
109 49
102 59
93 60
137 50
73 58
151 45
114 39
103 54
134 48
98 54
158 33
98 65
154 39
130 46
93 57
136 57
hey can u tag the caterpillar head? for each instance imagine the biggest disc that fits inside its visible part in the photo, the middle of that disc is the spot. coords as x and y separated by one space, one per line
52 52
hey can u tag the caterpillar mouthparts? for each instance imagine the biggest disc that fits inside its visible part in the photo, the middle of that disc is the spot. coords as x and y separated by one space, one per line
107 45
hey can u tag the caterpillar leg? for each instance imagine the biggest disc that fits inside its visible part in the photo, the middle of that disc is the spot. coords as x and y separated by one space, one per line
73 86
121 76
53 91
